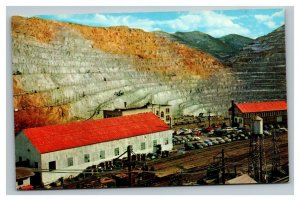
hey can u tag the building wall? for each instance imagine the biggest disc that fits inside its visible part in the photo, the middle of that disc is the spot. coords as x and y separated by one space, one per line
135 111
268 117
79 164
163 112
113 113
25 150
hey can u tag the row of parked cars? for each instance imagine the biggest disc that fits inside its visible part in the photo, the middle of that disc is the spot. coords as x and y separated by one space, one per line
191 140
205 143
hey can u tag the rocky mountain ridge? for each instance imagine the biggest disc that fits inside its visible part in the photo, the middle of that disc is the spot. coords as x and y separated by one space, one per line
222 48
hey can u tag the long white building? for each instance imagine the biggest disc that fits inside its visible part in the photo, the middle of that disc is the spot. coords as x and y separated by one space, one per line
67 149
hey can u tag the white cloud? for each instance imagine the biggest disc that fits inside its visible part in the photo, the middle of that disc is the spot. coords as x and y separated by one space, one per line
215 24
220 24
269 20
211 22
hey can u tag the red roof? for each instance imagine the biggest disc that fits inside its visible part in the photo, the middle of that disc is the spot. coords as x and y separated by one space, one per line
28 187
76 134
262 106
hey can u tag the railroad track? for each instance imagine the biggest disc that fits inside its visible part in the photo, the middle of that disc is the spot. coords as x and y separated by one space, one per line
237 151
193 164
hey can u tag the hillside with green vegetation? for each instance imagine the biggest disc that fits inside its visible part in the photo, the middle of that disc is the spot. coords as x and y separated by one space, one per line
222 48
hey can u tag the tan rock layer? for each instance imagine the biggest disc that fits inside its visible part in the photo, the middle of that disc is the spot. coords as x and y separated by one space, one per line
40 116
125 41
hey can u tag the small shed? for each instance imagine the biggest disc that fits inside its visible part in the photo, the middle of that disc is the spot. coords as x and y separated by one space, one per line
23 175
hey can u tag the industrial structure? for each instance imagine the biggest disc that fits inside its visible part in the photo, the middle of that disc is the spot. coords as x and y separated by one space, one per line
272 112
65 150
162 111
256 165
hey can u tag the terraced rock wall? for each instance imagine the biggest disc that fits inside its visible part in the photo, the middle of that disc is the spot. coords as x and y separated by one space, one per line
64 72
260 69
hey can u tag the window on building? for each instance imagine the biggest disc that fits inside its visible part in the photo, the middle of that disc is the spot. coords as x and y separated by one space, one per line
70 161
157 113
167 117
167 110
52 165
143 146
162 115
20 182
102 154
235 120
279 119
117 151
86 158
154 143
166 141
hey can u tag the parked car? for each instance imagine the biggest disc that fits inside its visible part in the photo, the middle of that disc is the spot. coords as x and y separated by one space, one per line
215 142
185 139
265 132
283 129
227 140
188 146
222 141
198 145
242 136
203 144
209 143
212 139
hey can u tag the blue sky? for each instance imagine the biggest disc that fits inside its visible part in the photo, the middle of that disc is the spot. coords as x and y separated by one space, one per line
252 22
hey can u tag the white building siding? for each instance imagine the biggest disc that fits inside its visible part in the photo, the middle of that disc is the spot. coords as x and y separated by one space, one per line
158 109
61 157
26 182
135 111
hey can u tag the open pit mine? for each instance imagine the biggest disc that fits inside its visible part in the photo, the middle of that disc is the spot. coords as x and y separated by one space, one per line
65 72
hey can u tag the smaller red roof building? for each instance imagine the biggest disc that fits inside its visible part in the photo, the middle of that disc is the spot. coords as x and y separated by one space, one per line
272 112
262 106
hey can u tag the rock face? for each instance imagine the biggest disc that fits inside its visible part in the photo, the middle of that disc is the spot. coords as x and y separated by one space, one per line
260 69
65 72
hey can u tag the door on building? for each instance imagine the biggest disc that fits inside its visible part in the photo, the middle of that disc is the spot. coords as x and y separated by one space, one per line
154 146
52 165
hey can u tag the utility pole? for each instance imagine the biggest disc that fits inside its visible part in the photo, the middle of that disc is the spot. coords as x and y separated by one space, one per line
232 113
209 118
276 154
223 167
129 150
260 164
